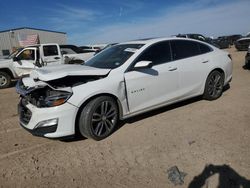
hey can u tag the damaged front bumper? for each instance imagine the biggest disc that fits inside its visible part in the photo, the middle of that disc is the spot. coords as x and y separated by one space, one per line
51 122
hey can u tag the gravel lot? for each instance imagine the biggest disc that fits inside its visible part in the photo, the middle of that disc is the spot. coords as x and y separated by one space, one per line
206 140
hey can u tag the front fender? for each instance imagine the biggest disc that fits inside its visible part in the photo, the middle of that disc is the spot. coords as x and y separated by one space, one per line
84 93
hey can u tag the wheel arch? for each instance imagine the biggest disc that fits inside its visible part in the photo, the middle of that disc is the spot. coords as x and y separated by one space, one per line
219 70
214 69
118 103
8 71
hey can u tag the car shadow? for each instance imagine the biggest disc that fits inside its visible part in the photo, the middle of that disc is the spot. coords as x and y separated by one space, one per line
73 138
226 87
245 67
163 109
160 110
151 72
228 177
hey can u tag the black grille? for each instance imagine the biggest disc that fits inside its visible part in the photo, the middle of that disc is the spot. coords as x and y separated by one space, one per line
24 113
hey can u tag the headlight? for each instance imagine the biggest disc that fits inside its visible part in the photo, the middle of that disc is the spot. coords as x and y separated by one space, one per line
56 98
48 97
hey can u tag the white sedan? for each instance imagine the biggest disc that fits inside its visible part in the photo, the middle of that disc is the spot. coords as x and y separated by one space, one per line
122 81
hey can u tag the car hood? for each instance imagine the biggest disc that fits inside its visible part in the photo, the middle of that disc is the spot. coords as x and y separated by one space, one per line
60 71
5 61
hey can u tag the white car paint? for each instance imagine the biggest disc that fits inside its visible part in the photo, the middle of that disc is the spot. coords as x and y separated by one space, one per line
48 73
135 91
19 68
81 56
24 67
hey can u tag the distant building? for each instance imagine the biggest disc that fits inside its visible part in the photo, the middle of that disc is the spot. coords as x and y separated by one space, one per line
18 37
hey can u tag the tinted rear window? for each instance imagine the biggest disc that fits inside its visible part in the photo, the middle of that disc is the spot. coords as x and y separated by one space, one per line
50 50
204 48
184 49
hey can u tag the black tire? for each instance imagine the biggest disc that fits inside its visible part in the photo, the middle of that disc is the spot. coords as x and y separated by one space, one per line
247 65
214 86
98 118
5 80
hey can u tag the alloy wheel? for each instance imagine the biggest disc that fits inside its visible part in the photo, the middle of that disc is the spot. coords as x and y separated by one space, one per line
104 118
3 80
215 85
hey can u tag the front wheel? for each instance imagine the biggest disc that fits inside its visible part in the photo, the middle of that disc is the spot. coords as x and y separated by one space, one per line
214 86
5 80
98 118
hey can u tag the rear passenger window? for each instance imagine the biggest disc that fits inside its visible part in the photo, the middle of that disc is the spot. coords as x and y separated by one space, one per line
50 50
184 49
204 48
158 53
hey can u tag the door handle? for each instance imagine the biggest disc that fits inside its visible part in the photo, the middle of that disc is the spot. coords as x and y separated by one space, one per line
172 69
57 58
205 61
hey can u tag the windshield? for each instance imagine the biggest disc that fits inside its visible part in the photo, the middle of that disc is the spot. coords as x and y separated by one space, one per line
13 54
114 56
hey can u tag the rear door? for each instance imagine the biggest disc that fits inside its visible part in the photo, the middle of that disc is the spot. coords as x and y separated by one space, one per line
25 61
193 65
51 54
147 87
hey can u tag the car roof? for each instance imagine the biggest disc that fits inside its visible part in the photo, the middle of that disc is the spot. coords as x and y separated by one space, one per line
154 40
67 45
38 45
244 38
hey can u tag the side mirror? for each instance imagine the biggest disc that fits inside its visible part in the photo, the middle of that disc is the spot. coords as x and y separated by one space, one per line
143 64
16 59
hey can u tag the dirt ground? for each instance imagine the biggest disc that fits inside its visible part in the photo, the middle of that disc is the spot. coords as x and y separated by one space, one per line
209 141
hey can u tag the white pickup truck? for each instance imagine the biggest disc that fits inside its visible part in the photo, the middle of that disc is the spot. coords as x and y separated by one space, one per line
23 61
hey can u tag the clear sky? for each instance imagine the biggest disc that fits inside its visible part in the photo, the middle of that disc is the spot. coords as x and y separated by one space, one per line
106 21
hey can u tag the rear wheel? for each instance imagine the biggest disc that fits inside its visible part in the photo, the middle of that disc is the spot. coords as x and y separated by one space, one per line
98 118
5 80
214 85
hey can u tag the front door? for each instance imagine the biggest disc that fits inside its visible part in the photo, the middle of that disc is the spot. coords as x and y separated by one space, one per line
147 87
25 61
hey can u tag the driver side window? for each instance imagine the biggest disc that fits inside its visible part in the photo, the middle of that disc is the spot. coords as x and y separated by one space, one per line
27 55
158 53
